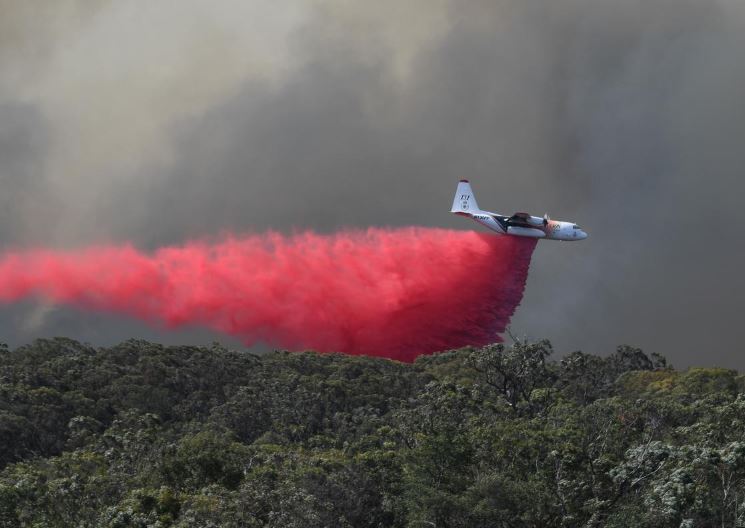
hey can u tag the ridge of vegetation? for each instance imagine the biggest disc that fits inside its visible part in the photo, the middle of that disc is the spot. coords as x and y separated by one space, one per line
145 435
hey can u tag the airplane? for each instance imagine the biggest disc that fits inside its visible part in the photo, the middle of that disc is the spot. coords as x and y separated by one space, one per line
519 224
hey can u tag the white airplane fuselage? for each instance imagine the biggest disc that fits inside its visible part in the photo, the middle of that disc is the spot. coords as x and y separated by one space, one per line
519 224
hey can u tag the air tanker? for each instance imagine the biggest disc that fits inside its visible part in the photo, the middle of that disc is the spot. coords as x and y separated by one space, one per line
519 224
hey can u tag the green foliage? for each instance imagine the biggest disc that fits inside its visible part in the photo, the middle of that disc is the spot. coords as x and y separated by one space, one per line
142 435
202 459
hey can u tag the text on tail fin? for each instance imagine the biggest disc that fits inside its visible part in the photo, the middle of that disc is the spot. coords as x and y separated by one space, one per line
464 200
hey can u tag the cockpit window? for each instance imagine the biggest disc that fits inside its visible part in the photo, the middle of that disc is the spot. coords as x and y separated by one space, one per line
575 226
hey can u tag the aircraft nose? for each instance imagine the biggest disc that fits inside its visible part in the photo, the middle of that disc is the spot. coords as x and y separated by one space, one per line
584 235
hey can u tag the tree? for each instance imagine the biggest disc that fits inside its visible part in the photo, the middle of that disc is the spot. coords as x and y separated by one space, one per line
515 372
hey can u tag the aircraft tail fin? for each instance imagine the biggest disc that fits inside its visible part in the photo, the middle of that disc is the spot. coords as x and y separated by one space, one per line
464 201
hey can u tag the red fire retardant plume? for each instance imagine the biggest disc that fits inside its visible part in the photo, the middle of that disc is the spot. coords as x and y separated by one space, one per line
392 293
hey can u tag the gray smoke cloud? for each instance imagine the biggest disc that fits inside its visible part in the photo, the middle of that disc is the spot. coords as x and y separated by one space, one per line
160 122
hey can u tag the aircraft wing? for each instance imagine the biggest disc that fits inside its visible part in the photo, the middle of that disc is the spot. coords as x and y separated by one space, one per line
524 217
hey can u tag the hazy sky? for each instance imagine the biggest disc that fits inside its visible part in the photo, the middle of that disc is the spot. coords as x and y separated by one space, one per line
156 122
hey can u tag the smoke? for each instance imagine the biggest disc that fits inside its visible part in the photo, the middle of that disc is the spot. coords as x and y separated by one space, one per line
390 293
156 122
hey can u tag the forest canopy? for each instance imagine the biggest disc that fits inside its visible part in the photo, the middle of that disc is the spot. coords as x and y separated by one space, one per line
141 434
